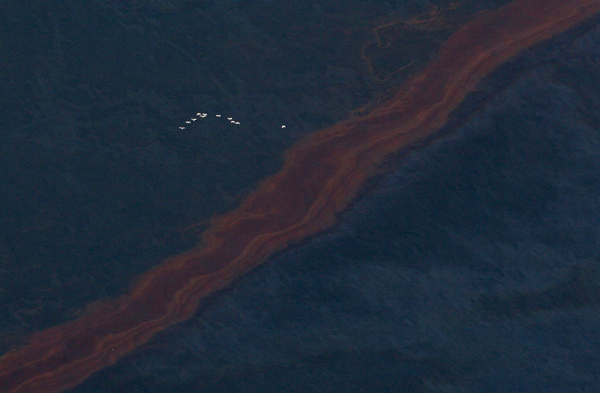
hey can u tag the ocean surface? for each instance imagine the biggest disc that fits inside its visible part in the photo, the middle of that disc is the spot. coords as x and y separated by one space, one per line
472 264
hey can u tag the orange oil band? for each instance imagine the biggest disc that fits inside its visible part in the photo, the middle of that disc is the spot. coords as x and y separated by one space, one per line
320 177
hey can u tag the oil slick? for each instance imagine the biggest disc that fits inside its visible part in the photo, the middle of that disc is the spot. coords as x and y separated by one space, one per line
321 176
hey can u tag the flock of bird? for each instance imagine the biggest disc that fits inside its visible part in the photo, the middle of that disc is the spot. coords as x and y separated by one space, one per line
202 115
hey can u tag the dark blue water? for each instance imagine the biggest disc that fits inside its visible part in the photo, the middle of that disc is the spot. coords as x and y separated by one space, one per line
475 267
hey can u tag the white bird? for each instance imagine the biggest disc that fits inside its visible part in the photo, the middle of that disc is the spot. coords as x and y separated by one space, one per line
182 128
230 118
194 119
218 115
282 126
188 122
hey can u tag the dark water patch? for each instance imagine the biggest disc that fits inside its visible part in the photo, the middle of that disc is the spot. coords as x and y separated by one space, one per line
581 290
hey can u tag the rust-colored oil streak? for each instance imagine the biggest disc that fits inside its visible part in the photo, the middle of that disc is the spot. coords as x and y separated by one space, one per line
321 175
